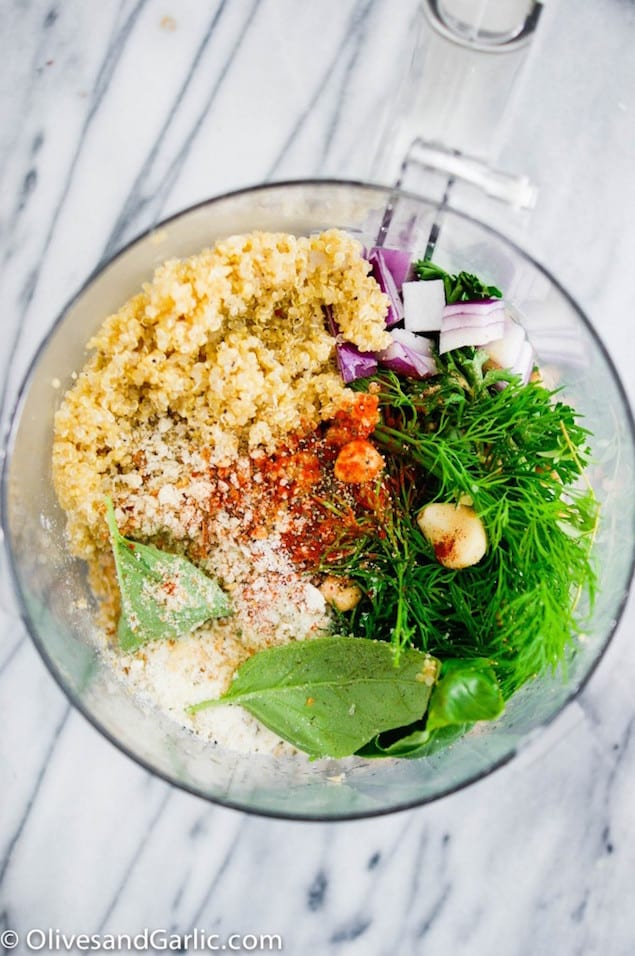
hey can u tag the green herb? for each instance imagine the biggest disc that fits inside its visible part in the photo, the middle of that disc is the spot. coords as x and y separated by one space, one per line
519 454
463 287
330 696
466 692
162 595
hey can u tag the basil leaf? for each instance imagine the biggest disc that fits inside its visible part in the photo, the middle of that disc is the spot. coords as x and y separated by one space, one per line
162 595
438 740
467 691
329 696
418 743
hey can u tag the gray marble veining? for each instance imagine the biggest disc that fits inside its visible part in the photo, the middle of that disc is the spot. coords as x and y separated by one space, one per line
117 114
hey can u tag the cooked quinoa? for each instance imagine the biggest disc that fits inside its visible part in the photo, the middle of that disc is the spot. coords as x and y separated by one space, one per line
190 391
223 352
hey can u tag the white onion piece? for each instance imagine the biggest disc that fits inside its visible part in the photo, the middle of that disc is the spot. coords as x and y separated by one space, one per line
505 352
423 304
480 307
452 322
418 343
459 337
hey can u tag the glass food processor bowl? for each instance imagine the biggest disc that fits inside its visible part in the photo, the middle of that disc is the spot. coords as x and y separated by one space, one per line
51 587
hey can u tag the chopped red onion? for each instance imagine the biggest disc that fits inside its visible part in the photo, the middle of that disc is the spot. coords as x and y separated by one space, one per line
471 323
418 343
480 307
354 364
396 261
452 322
351 362
387 284
459 337
404 360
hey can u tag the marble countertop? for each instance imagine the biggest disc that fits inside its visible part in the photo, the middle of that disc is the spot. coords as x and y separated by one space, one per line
116 114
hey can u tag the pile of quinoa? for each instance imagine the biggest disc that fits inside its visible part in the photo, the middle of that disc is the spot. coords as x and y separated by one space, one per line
223 352
210 369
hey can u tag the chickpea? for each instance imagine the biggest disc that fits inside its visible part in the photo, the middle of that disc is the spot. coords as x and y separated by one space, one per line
357 462
341 593
456 533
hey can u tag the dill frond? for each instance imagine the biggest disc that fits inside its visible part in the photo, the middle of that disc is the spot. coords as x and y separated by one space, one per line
520 454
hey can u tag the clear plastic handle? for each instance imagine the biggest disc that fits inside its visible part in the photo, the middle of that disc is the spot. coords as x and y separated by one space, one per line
426 160
449 116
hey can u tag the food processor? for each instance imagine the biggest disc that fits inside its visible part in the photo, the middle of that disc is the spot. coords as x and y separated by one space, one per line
50 588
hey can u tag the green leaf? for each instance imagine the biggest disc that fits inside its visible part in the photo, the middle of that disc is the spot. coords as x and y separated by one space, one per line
162 595
427 270
418 743
467 691
329 696
438 740
463 287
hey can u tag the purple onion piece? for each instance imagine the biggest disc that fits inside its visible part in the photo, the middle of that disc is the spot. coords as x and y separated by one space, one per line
351 362
354 364
482 307
396 261
449 323
388 286
418 343
405 361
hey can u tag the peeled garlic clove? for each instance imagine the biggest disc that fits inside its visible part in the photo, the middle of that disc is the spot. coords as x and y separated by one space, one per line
456 533
340 593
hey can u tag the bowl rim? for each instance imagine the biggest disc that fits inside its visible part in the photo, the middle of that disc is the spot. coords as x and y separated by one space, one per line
12 420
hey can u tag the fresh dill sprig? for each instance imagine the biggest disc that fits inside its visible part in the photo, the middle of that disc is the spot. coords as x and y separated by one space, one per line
518 453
